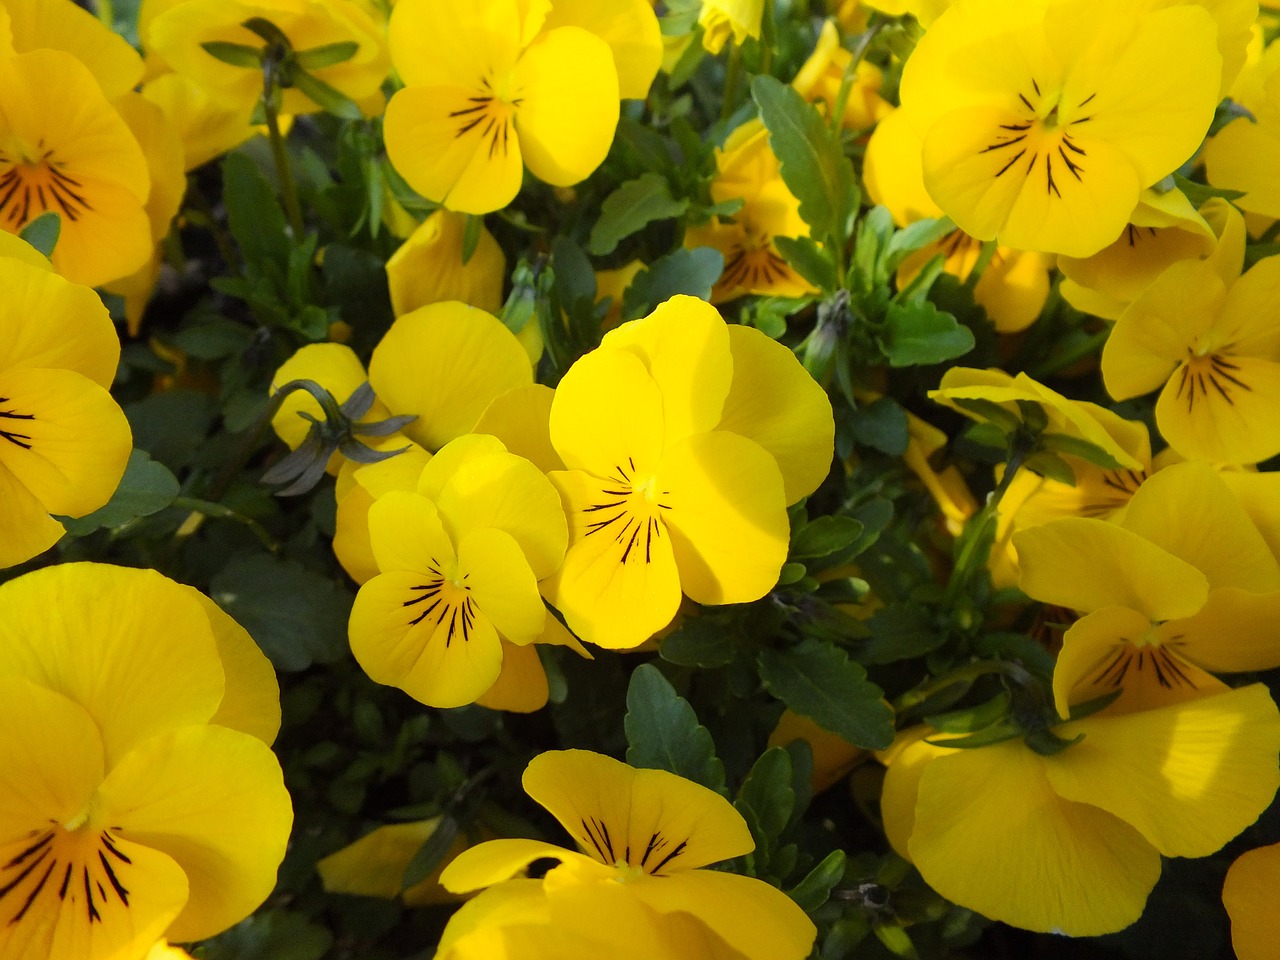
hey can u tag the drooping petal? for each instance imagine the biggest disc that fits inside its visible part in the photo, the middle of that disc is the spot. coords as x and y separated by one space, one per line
726 511
1087 564
497 860
521 687
1248 895
1188 777
103 636
1211 411
651 819
428 267
497 574
251 699
759 921
569 104
992 835
214 800
685 346
26 529
445 363
775 402
587 429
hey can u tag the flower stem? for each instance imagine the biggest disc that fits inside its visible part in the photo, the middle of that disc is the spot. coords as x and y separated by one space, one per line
978 532
732 79
851 71
271 112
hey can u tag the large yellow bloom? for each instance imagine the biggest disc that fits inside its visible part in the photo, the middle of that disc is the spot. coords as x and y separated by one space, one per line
138 795
645 837
1043 121
64 441
489 92
684 439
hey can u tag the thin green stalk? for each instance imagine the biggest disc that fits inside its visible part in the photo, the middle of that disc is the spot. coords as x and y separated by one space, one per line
851 71
271 112
732 80
975 533
205 508
984 260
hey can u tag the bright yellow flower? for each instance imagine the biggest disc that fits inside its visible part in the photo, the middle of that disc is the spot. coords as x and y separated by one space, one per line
137 799
487 93
722 19
1244 154
1071 843
684 439
64 25
1213 351
1043 121
375 864
822 74
207 128
747 170
64 441
428 267
1248 895
1164 229
646 835
459 562
178 29
1015 284
64 148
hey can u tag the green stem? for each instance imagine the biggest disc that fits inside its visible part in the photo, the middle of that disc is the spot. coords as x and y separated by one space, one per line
205 508
975 535
732 80
851 71
984 260
766 53
271 112
106 12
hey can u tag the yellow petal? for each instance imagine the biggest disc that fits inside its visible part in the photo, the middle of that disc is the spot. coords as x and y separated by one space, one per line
1189 776
1248 896
1234 631
496 573
1241 156
26 529
992 835
586 428
726 512
63 25
428 267
375 865
775 402
1013 289
521 419
450 458
496 860
893 174
1087 564
478 930
406 534
906 760
651 819
1240 324
351 537
631 31
251 700
566 121
208 128
685 346
103 636
1206 416
445 363
214 800
521 687
435 43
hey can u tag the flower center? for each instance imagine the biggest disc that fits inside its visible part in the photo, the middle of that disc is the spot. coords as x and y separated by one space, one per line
9 429
489 115
631 863
74 864
34 181
1043 135
630 509
1203 371
447 597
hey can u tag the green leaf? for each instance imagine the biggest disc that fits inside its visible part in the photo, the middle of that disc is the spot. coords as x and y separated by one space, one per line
471 231
809 259
432 852
236 54
700 642
254 215
270 935
922 334
297 617
42 232
213 337
824 536
815 889
1199 194
331 99
915 236
663 732
693 272
813 164
632 207
882 425
901 631
329 55
147 487
819 681
767 793
1076 447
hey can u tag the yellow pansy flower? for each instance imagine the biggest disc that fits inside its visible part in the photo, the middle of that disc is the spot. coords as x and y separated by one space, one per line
684 439
428 267
1181 586
1043 121
1248 895
137 797
177 30
64 441
722 19
487 93
1243 154
1213 351
1071 843
748 170
1163 229
64 148
821 76
207 128
1015 284
646 836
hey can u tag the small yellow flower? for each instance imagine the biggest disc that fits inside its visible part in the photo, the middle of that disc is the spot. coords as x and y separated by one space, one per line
428 267
722 19
821 76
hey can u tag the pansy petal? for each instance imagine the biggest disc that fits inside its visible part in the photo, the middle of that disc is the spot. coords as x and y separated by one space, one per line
63 437
497 860
758 920
1235 421
1189 776
521 419
434 43
103 636
1047 864
906 761
429 267
66 26
685 346
450 458
1234 631
775 402
364 485
1243 156
445 363
1086 564
75 331
1244 322
569 89
495 571
334 366
727 516
631 31
251 700
214 800
406 534
586 428
649 818
26 529
521 687
1249 896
